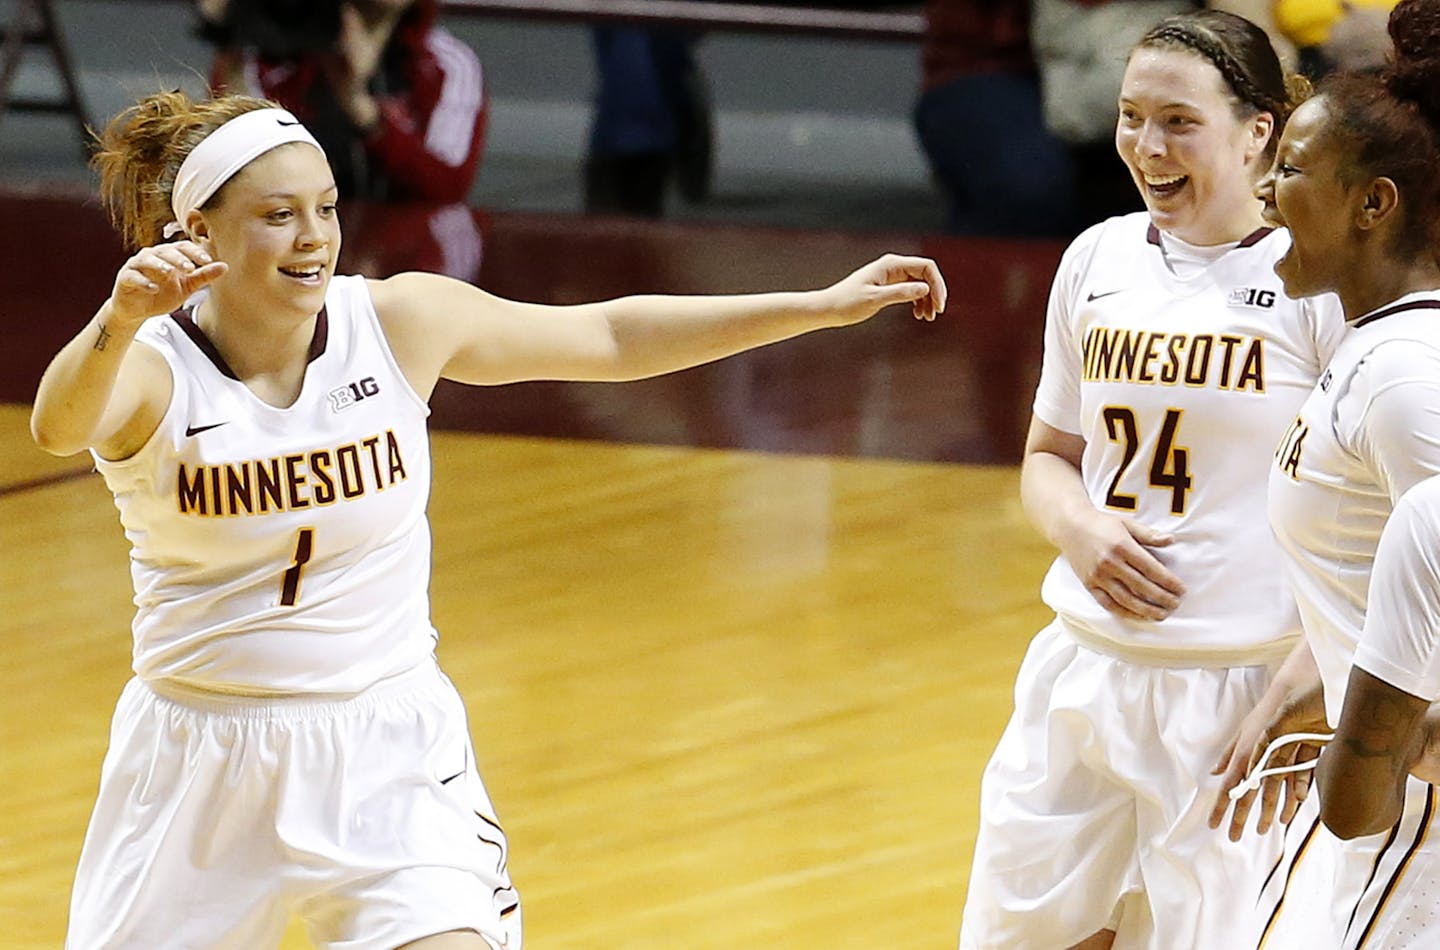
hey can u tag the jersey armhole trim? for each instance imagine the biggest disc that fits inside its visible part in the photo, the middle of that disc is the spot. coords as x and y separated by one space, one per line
368 308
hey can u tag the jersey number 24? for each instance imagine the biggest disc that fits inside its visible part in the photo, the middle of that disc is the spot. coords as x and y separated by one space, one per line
1169 466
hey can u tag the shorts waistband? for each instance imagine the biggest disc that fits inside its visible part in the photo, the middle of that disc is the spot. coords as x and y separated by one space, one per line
1266 654
296 706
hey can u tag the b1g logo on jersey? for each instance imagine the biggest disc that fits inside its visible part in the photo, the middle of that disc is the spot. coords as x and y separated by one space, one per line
352 393
1251 297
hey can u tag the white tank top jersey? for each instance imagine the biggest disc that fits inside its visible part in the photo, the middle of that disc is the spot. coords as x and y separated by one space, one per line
1368 432
281 551
1401 640
1181 387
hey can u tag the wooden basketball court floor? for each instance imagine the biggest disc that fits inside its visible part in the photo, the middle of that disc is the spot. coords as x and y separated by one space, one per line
733 690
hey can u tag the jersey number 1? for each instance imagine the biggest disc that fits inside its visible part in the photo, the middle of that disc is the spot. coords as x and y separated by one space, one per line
290 586
1169 468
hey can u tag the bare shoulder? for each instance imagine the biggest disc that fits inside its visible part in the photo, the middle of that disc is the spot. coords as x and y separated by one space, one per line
429 305
426 318
398 295
408 293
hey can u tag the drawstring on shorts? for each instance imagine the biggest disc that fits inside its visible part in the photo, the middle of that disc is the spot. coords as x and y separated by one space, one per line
1260 772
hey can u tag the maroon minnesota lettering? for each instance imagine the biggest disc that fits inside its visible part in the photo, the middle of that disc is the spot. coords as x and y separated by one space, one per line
291 482
1228 362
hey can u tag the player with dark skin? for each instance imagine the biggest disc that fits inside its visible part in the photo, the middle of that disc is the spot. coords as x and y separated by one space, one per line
1353 181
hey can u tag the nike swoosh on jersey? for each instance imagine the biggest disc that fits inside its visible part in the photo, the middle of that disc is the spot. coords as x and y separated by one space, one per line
447 781
196 430
283 122
1094 296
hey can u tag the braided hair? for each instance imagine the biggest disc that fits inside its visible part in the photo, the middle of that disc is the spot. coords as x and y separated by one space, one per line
1242 54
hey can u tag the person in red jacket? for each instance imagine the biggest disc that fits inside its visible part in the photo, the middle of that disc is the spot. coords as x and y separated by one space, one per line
398 103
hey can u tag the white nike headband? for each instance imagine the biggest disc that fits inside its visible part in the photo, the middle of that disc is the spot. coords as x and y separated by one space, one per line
222 153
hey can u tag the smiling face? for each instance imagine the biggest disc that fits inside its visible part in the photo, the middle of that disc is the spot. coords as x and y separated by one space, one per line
1193 160
1304 193
276 226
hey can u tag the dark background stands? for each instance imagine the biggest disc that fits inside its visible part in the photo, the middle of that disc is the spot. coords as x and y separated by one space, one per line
980 123
651 121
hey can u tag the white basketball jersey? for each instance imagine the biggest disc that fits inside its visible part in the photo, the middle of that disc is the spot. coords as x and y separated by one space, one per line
281 550
1181 387
1368 432
1401 640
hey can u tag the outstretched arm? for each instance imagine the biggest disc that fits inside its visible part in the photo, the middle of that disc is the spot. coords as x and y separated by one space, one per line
442 328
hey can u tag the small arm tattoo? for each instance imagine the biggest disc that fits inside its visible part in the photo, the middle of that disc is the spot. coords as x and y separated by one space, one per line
1381 734
103 340
1362 749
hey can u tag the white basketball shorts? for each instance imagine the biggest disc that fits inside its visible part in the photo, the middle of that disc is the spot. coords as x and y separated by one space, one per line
1377 892
1094 807
218 817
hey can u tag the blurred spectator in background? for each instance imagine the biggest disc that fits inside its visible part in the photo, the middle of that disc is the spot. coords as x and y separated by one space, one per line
384 238
979 122
1332 35
1081 47
397 102
651 122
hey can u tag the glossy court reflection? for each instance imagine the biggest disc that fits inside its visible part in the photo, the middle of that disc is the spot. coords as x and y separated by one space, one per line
721 698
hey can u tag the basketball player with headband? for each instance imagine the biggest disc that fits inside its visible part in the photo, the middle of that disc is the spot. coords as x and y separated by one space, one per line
287 743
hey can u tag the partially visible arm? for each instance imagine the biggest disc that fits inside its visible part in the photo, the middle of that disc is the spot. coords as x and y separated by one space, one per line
443 328
1109 553
1294 702
1383 733
1363 770
428 142
1426 766
1106 550
427 138
414 168
100 391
